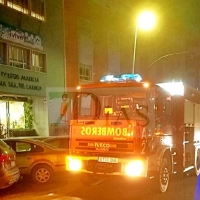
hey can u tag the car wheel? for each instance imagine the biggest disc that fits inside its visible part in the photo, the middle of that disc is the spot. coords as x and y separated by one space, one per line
42 173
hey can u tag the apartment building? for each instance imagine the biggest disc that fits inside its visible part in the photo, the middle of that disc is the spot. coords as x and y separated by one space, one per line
48 48
31 63
99 36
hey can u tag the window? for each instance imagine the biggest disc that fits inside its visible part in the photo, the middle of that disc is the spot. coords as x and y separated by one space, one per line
85 72
28 147
18 57
38 62
2 53
23 147
19 5
85 28
36 148
35 8
85 105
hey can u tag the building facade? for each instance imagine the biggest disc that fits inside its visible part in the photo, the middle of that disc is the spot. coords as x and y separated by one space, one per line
48 48
31 63
99 39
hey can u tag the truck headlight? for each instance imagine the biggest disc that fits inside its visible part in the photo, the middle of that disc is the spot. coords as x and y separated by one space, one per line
73 164
134 168
167 140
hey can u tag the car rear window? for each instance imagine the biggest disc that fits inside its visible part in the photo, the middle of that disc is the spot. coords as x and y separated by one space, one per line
3 144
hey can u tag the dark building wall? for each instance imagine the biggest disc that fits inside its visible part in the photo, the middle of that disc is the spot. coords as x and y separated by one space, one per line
105 20
173 44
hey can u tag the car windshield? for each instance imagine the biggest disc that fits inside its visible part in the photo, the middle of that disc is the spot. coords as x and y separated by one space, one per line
115 103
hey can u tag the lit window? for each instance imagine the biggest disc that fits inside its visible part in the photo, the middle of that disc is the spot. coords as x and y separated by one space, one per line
38 62
37 9
19 5
85 72
18 57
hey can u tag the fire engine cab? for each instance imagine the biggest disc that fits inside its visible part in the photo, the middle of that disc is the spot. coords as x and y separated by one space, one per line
125 127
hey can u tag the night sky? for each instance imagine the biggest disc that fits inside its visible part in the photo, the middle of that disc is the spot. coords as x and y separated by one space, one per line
179 19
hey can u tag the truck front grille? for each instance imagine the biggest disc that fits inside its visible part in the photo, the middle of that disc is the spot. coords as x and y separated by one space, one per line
94 166
108 146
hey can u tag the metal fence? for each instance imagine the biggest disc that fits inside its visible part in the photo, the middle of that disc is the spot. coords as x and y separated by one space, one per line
5 132
59 129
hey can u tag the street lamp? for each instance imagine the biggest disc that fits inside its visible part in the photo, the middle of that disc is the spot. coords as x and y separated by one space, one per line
146 21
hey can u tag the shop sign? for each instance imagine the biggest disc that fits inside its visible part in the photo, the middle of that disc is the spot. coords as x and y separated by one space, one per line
19 36
22 83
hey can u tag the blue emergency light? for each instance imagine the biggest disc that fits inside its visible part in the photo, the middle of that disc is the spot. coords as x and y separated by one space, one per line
121 78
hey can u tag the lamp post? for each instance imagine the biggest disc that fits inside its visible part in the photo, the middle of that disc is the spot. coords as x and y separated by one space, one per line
146 21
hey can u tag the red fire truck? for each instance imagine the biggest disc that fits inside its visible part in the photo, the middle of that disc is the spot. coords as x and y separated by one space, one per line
127 128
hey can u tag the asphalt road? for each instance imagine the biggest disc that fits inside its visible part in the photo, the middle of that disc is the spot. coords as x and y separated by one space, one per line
67 187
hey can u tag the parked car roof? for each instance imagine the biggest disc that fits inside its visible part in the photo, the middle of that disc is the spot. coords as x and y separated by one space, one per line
37 159
58 141
9 172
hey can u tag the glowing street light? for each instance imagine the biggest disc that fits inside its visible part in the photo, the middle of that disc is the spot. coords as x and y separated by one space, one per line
146 21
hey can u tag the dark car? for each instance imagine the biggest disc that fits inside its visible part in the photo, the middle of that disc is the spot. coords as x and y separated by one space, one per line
9 172
37 159
58 141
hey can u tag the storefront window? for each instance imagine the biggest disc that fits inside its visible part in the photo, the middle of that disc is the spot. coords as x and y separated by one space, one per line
17 115
12 114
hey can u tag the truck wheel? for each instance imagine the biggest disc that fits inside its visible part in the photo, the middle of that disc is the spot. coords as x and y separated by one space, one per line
42 173
89 179
161 180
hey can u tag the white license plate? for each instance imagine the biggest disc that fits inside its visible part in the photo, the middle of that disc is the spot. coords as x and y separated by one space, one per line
108 159
12 163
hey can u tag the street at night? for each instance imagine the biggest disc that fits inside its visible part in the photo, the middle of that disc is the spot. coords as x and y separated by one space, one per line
69 188
95 94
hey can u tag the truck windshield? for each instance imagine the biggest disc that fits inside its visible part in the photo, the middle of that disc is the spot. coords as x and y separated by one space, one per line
124 102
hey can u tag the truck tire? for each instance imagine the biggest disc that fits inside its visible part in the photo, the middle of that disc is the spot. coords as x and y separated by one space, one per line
89 179
160 183
42 173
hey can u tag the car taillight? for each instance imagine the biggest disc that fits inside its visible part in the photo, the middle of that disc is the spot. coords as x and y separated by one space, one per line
3 158
7 162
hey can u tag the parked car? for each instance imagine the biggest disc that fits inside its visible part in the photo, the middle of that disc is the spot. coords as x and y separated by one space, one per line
9 172
37 159
58 141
